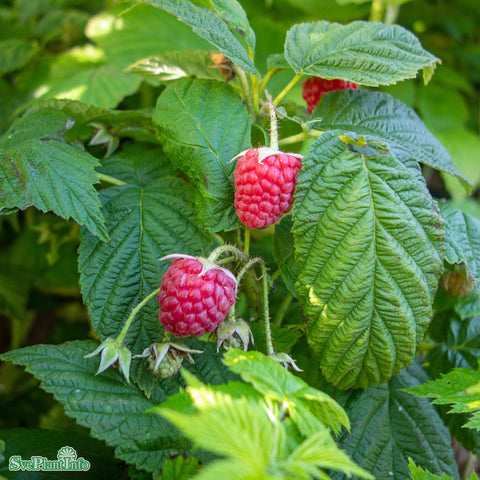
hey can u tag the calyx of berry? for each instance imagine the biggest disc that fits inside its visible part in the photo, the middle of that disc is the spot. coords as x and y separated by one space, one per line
264 152
286 360
232 330
165 359
206 266
113 352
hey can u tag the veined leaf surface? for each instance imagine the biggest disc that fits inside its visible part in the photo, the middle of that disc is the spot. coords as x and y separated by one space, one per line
147 218
216 25
368 53
383 118
369 248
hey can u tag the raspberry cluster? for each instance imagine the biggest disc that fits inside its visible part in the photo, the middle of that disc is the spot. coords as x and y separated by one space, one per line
314 88
194 299
264 185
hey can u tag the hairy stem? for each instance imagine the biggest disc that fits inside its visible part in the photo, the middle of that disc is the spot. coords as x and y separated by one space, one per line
266 311
231 249
130 319
273 121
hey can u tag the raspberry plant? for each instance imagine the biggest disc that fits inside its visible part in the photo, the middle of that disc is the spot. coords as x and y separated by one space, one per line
274 272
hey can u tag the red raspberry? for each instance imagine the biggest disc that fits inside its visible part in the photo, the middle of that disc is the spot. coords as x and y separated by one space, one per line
315 87
264 185
195 296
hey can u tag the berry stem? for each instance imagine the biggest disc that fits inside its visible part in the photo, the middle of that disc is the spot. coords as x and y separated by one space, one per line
246 89
246 245
108 179
289 86
301 137
282 309
219 251
123 333
391 13
266 311
376 12
269 105
267 78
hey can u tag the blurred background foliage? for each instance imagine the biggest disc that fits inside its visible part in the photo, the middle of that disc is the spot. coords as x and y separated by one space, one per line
80 49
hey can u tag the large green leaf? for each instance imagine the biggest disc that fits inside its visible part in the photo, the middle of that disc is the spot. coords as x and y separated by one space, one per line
390 426
369 248
177 64
203 125
216 26
36 168
111 408
305 404
283 252
104 86
368 53
462 239
381 117
140 32
148 218
249 433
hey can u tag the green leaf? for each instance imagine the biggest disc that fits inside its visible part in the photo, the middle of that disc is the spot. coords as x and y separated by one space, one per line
104 86
276 383
233 14
417 473
390 426
111 408
239 429
148 218
283 252
369 247
140 32
14 288
249 432
320 451
211 26
367 53
51 176
462 239
178 64
14 54
456 344
203 125
459 388
400 127
179 468
28 442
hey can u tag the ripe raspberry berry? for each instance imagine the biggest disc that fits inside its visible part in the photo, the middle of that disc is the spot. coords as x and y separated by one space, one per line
315 87
264 185
195 296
